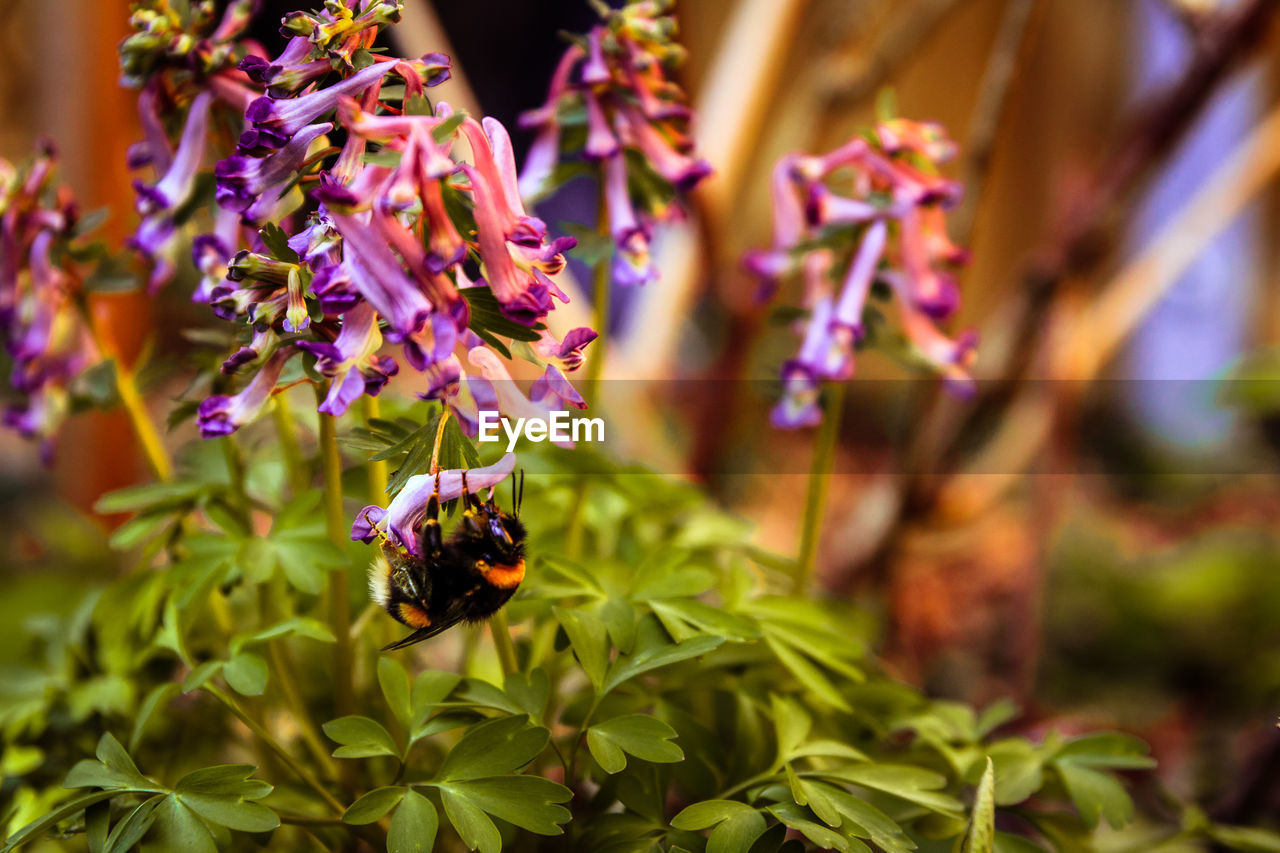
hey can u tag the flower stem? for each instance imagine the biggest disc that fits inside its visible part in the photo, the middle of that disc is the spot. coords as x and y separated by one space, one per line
377 470
339 592
815 503
148 437
501 631
285 756
435 450
295 466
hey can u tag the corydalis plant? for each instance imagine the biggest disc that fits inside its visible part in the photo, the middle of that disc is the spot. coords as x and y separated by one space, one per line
42 324
611 103
885 225
399 240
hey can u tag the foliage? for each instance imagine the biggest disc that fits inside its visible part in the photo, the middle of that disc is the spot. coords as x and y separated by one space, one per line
667 699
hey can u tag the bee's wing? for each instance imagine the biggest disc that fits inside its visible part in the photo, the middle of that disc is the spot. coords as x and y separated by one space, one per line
418 636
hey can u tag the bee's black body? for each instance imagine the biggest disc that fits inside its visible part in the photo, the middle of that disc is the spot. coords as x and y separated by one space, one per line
467 578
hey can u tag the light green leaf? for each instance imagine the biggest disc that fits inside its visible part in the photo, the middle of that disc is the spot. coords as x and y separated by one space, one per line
1019 770
494 747
360 737
1096 795
1008 843
1249 838
980 837
395 689
737 833
413 826
645 737
1108 750
791 723
202 673
373 805
156 699
806 672
709 813
59 814
246 673
590 641
797 818
913 784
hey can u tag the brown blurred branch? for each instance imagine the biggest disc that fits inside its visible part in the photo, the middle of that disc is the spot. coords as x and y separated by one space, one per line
1075 246
892 49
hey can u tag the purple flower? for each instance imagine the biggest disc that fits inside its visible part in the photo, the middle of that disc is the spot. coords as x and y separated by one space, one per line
159 202
351 360
401 520
275 121
568 353
244 180
377 275
221 415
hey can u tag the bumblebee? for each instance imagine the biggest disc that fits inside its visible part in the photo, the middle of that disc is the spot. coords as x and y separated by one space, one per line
466 578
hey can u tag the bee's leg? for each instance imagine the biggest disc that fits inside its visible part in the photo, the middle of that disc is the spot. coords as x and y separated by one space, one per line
432 538
470 503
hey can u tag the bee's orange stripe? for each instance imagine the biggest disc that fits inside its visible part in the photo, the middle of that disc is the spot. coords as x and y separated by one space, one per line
506 577
413 615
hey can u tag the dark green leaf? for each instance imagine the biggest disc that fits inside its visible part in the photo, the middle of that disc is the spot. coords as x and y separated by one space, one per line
395 689
476 828
129 830
68 809
224 780
494 747
624 669
590 641
529 802
413 826
155 700
373 805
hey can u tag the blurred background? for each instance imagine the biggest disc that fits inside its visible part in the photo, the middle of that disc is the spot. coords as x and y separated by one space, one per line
1096 534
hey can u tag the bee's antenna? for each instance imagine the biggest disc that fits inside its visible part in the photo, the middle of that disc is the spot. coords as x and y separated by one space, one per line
520 493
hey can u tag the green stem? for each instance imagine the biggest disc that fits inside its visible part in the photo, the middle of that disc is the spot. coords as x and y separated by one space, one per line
501 631
275 746
294 464
339 588
815 503
148 437
377 470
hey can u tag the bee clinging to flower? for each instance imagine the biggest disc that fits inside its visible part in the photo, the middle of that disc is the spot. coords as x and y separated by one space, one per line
430 582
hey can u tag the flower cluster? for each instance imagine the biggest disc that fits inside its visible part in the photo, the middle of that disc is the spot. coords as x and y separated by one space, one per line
889 229
610 96
401 238
42 327
184 61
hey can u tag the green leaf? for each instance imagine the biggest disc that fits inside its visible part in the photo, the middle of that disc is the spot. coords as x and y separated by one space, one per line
624 669
645 737
1096 795
177 828
97 822
1008 843
224 780
1249 838
59 814
708 619
798 819
806 672
791 723
113 769
275 239
429 690
913 784
155 700
708 813
373 805
590 641
1106 749
863 819
529 802
980 837
360 737
413 826
474 827
201 674
246 673
1019 770
129 830
232 813
395 689
737 833
494 747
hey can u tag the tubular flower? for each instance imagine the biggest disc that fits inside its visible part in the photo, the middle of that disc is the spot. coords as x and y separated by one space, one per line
402 520
41 327
395 247
614 80
890 228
